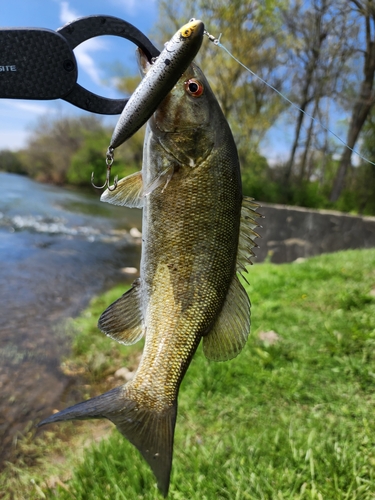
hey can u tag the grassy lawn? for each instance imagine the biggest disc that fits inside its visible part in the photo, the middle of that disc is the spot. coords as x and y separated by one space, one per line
292 417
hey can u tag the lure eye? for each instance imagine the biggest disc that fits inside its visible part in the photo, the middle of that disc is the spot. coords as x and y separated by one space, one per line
194 87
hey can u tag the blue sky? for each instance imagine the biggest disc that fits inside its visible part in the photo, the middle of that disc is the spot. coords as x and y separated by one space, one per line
96 58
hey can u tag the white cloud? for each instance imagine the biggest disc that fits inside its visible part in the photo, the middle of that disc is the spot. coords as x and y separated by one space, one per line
30 107
133 6
83 52
87 62
67 14
17 118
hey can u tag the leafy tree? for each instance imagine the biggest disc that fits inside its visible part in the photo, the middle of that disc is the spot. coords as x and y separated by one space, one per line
11 161
364 12
53 142
362 177
251 31
90 158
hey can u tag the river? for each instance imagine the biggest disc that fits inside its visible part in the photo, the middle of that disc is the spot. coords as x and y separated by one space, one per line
58 248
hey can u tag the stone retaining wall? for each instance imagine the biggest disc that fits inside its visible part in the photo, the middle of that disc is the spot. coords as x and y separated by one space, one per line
289 233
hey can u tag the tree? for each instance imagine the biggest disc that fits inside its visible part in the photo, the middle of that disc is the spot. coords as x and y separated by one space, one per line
250 30
53 142
364 174
318 61
364 102
10 161
90 158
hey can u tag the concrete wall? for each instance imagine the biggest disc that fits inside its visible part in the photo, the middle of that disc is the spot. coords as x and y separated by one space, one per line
292 232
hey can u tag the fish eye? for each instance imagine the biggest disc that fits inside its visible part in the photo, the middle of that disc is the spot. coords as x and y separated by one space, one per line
194 87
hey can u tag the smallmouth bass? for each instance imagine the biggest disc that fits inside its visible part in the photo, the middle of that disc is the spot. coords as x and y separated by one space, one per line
198 233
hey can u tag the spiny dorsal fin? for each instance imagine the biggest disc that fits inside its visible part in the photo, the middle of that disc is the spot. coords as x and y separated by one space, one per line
150 431
122 320
247 234
128 193
231 329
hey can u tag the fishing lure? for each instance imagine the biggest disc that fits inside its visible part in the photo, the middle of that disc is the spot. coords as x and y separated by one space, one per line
161 77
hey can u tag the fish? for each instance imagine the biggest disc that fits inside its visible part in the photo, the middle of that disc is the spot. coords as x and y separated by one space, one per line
162 76
198 236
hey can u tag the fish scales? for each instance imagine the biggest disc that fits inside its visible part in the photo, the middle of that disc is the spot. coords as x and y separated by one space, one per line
197 234
193 286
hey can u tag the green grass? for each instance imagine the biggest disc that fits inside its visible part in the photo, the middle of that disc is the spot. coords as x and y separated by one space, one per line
292 420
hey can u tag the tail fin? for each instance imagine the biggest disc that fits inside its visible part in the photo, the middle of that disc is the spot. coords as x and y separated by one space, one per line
151 432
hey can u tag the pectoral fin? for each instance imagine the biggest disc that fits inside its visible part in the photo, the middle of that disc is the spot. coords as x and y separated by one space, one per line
161 180
123 320
128 193
231 329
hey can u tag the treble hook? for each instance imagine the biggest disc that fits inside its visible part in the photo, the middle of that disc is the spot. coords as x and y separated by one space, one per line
109 161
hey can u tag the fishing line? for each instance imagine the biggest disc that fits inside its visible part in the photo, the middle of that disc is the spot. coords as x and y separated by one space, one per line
217 42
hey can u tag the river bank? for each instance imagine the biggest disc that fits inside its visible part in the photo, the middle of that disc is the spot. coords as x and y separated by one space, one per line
58 248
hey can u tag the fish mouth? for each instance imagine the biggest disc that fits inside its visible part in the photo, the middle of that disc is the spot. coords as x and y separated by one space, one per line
173 130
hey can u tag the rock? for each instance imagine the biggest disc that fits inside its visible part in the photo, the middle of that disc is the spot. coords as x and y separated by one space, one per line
135 232
270 337
129 270
124 373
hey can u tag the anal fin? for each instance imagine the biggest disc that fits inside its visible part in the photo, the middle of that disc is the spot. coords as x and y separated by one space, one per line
128 192
123 320
231 329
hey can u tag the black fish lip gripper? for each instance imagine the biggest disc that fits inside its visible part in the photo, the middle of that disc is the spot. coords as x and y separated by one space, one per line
39 63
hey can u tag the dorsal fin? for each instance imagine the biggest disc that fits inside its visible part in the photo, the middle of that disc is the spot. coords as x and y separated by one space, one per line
247 234
231 329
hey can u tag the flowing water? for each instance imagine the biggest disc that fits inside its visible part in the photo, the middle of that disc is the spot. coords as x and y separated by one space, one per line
57 249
